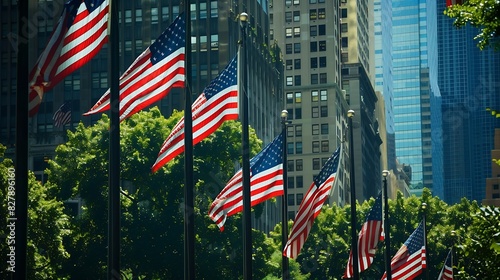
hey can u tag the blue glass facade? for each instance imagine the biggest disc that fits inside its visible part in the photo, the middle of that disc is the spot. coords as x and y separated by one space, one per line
469 83
415 89
383 69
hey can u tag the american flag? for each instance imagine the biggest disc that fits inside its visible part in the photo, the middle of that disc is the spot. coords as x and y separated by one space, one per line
217 103
311 205
63 115
447 270
370 234
410 259
77 37
266 181
150 77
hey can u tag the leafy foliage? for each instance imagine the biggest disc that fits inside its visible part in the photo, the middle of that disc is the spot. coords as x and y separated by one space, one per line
47 225
483 14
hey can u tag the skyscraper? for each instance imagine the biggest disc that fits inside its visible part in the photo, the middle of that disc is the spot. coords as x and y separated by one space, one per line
415 90
469 82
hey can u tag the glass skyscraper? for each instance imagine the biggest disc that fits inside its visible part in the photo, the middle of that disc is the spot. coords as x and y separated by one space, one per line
469 82
415 90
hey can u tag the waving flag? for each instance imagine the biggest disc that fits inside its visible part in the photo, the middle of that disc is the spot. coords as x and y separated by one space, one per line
63 115
453 2
266 181
158 69
311 205
217 103
410 259
370 234
447 270
78 36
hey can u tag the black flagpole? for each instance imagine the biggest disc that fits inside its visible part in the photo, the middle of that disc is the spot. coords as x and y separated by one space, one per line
387 231
354 239
284 215
189 239
19 220
247 222
114 147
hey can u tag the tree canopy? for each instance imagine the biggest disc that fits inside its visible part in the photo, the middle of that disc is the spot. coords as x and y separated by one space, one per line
483 14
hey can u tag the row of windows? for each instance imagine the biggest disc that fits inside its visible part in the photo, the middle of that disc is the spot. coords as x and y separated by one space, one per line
297 2
296 130
314 30
296 80
317 147
297 165
313 47
297 63
316 112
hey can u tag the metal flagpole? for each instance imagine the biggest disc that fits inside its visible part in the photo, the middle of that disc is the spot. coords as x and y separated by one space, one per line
284 221
247 222
388 271
114 146
189 238
354 239
424 214
19 219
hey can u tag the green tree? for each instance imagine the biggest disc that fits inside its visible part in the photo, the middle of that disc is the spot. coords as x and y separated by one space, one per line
483 14
47 225
152 204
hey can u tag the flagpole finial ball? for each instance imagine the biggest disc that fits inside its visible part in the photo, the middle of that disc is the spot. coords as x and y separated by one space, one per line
350 113
243 17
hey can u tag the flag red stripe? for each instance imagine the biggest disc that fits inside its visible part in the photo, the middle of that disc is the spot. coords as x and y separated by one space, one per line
208 115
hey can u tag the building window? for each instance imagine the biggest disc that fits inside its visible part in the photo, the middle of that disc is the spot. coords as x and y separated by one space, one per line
325 146
300 196
322 46
314 62
298 147
290 166
321 13
324 95
299 165
344 43
322 62
496 195
495 186
296 48
315 129
288 17
298 113
296 16
296 2
343 13
289 131
322 30
314 96
313 15
313 46
298 130
290 148
324 128
288 32
298 80
288 48
291 199
322 78
315 112
288 64
289 80
297 63
314 79
316 164
324 111
298 97
288 2
296 32
291 182
289 97
299 182
315 146
313 30
343 27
